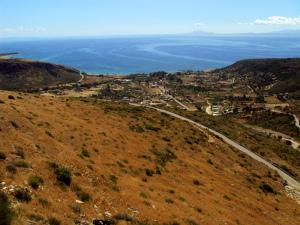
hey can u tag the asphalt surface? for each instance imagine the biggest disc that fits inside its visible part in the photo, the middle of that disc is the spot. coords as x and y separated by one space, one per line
290 180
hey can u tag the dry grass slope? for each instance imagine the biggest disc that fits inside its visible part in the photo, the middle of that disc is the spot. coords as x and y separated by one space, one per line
73 159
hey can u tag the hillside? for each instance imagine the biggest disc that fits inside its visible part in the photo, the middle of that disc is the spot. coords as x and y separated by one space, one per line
18 74
283 74
73 160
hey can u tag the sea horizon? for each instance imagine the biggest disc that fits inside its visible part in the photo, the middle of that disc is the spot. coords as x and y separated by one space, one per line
124 55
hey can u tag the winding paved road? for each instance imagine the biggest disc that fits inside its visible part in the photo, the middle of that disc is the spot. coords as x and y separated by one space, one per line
276 134
290 181
81 79
296 121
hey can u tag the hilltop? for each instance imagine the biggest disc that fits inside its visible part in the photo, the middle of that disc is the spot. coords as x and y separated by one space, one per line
279 75
76 159
17 74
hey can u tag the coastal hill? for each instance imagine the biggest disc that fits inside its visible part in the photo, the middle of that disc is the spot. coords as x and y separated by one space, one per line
17 74
71 160
282 74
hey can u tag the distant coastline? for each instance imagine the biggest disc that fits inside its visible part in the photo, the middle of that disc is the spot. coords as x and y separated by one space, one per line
145 54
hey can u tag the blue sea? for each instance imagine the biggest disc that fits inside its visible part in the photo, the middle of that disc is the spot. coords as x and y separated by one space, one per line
126 55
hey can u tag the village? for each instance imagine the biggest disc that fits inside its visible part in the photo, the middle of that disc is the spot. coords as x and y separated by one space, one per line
191 91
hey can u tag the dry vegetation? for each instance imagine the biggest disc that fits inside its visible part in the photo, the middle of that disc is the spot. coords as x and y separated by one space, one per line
275 151
73 159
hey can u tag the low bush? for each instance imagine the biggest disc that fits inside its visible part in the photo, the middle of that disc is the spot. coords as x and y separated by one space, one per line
149 172
152 128
22 164
22 194
192 222
11 168
44 202
53 221
63 175
113 179
75 208
2 156
35 181
169 201
267 188
164 156
82 195
5 211
124 217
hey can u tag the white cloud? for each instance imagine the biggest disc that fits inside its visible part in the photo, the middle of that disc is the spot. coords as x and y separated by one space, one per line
278 20
21 30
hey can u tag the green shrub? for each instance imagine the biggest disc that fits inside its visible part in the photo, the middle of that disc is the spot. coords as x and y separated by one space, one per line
113 179
267 188
288 170
22 194
143 195
75 208
82 195
124 217
5 211
136 128
44 202
22 164
149 172
192 222
169 201
35 181
11 169
52 165
63 175
2 156
53 221
114 183
164 156
152 128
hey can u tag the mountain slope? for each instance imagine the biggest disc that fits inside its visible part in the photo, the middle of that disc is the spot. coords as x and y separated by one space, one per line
284 74
135 165
18 74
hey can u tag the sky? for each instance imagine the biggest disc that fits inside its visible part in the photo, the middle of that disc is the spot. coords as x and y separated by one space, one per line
61 18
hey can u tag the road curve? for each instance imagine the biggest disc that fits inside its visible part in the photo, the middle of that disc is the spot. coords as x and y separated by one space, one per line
81 79
297 123
290 181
